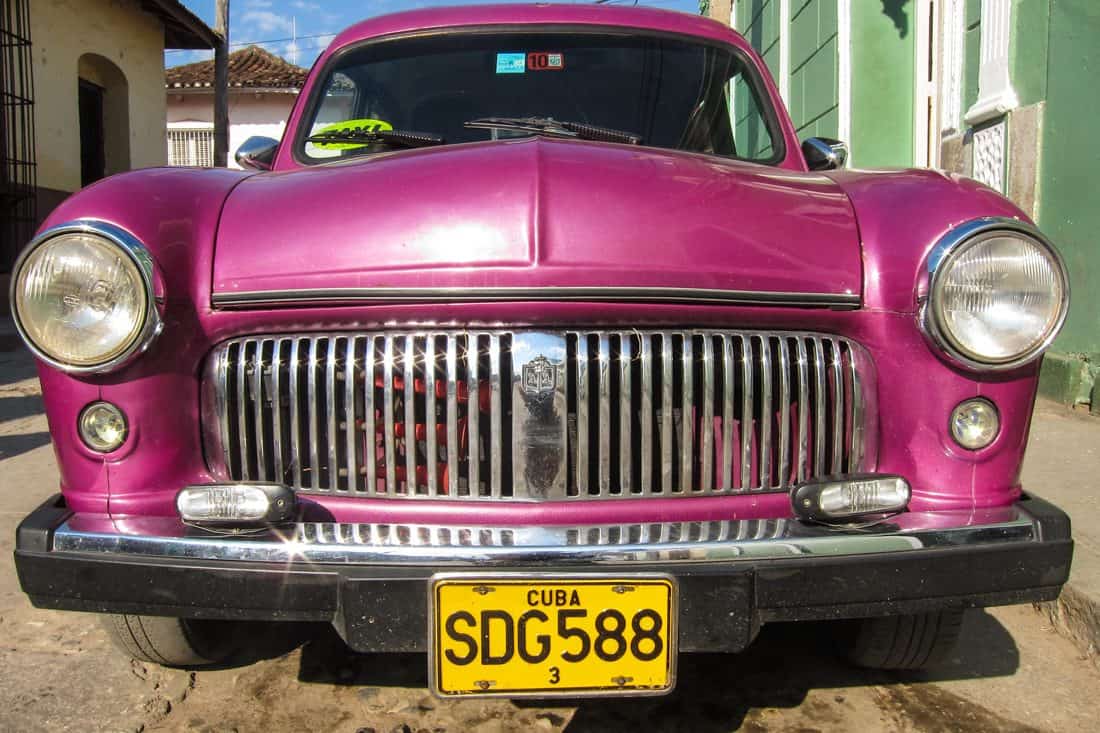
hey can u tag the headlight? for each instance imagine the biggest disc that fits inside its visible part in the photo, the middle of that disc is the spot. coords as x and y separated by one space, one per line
998 295
82 296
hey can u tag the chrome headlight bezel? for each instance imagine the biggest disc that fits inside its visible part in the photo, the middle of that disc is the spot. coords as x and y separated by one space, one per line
946 251
133 249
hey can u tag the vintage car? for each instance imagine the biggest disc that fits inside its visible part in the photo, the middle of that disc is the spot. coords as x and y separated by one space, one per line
541 345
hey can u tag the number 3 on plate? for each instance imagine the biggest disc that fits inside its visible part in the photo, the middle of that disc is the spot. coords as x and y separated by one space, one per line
555 675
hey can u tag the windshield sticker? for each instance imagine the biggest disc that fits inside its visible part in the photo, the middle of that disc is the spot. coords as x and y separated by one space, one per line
365 125
545 61
511 63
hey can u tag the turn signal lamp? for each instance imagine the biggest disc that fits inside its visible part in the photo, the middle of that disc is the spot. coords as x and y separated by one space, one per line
235 503
850 497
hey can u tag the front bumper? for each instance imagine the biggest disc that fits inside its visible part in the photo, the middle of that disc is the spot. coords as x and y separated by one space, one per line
371 581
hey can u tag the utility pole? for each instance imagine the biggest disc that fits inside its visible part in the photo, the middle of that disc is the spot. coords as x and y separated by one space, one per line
221 85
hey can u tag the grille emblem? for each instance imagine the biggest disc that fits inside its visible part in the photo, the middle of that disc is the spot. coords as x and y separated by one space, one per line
539 376
539 414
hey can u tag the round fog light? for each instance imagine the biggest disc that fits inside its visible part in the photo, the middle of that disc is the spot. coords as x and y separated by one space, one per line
975 424
102 427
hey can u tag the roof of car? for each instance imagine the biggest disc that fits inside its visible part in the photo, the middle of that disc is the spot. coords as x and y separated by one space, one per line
542 13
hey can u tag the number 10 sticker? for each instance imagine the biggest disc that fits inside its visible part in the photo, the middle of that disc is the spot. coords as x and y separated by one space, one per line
545 61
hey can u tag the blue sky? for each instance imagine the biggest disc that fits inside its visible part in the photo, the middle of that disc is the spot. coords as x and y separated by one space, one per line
277 23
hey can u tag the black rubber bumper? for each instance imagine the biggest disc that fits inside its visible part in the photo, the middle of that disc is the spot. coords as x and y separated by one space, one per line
384 608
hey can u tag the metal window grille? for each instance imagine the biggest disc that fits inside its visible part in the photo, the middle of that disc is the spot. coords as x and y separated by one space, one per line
191 147
18 185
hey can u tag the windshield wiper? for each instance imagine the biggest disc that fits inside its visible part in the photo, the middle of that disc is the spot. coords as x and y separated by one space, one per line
559 128
404 138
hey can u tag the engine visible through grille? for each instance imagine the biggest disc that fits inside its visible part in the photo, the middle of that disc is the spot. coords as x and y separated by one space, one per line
517 415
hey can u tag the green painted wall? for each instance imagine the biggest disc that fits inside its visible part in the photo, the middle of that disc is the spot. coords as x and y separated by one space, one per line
813 85
883 61
758 21
1069 213
973 44
1028 52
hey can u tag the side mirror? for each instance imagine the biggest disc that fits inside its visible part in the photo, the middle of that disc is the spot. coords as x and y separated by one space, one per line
257 153
824 153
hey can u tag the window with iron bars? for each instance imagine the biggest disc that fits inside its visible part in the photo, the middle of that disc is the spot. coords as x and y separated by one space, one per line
18 184
191 147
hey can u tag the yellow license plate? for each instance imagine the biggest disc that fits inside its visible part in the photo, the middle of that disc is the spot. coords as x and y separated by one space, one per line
540 637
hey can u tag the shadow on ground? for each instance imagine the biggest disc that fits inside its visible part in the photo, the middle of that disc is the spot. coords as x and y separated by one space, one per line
14 445
715 692
15 363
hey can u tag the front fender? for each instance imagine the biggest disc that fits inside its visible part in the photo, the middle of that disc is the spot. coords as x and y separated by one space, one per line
901 215
175 214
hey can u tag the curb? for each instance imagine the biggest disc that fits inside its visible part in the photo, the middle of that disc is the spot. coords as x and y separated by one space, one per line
1075 616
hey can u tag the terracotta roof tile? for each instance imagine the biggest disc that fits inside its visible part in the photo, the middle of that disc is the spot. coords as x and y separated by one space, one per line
249 68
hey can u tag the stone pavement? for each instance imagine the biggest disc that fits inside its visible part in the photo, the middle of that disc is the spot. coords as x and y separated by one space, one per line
1063 466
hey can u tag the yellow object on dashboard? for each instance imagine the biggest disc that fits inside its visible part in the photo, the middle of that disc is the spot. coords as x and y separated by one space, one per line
365 124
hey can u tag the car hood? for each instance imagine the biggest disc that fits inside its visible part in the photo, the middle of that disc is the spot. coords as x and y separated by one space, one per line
528 215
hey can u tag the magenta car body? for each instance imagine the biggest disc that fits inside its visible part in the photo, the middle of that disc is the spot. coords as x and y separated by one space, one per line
608 250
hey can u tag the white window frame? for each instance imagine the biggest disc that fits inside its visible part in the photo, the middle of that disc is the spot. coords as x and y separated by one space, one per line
193 135
996 96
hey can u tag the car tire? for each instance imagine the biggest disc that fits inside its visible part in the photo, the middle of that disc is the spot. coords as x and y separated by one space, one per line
915 641
169 642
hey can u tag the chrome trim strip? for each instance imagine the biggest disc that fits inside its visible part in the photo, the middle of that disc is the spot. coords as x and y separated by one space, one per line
784 413
746 413
766 414
647 416
452 414
330 413
803 412
258 410
242 412
706 432
348 418
473 413
626 408
687 411
277 409
666 413
370 432
408 356
838 408
475 546
584 386
388 424
295 416
142 259
604 393
727 413
431 451
602 294
311 397
819 407
496 417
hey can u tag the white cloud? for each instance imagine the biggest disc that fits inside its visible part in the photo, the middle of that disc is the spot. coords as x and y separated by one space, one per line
266 22
311 7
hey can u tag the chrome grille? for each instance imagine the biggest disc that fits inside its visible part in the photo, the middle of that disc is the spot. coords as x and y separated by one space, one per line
610 414
422 535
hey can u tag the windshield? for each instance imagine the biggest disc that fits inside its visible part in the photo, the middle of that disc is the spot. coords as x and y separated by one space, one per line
669 92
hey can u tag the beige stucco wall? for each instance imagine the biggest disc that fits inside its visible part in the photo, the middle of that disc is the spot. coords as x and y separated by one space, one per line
250 113
61 32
